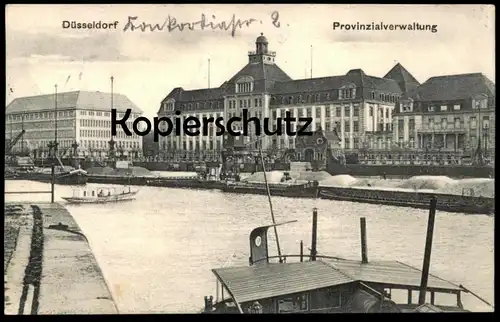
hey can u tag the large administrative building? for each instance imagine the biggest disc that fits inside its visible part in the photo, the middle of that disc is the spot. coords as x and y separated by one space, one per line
377 113
83 120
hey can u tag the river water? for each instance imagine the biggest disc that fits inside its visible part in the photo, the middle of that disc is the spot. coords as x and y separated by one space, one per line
156 252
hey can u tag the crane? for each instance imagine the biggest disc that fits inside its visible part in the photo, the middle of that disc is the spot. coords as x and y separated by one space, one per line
13 142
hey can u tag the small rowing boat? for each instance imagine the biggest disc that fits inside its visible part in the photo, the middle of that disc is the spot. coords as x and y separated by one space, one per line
100 195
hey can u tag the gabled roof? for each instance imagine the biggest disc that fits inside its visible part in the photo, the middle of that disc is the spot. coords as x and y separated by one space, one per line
81 100
403 77
454 87
261 71
354 76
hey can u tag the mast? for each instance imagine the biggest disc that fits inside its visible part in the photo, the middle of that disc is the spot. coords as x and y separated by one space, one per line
478 156
22 138
55 122
209 73
311 61
111 141
270 201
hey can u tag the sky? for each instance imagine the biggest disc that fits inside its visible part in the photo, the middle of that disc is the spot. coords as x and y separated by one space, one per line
147 65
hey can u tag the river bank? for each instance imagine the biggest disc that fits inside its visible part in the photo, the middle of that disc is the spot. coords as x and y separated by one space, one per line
49 267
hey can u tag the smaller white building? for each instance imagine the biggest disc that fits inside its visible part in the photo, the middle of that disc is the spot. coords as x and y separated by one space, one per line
83 118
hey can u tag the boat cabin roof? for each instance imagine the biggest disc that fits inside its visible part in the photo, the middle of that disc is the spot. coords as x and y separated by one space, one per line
392 273
251 283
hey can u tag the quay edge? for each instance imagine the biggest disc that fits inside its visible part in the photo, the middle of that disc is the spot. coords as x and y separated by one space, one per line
70 280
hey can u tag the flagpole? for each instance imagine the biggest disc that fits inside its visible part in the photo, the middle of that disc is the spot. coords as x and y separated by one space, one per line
209 73
311 61
55 125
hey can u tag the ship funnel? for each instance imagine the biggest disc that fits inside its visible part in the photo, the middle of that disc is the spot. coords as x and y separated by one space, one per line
259 253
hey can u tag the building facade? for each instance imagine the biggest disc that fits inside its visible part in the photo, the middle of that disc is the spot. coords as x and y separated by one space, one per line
357 105
452 113
83 124
371 115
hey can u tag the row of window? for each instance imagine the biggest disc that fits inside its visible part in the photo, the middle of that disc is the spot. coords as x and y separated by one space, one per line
94 113
104 145
47 133
40 125
246 87
39 115
443 108
210 145
245 103
196 106
103 124
458 123
328 112
348 93
106 134
44 144
62 114
106 114
407 106
385 97
344 93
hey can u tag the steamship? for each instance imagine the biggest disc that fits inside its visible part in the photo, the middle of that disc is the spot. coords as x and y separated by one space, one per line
312 283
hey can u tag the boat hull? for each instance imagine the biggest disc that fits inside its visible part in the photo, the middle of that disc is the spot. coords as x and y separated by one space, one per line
187 183
419 200
73 179
99 200
308 190
119 180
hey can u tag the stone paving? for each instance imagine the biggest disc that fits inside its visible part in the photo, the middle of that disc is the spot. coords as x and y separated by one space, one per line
68 281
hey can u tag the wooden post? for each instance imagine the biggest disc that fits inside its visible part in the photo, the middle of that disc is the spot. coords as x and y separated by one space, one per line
314 234
427 253
53 182
410 296
301 251
364 248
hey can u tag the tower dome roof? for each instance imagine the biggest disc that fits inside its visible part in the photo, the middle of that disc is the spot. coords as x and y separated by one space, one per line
261 39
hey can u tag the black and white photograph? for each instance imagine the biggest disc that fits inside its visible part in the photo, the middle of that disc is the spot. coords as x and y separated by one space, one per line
249 159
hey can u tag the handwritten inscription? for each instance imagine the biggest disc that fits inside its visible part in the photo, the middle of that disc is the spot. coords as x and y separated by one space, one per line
276 16
171 24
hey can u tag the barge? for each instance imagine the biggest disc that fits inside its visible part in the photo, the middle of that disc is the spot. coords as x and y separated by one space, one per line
71 178
315 283
467 204
118 180
306 190
185 183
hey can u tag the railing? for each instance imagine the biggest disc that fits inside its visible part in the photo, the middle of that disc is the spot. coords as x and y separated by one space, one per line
52 188
441 130
302 256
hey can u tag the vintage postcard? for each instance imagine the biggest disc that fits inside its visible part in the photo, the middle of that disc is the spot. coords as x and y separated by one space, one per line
249 159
